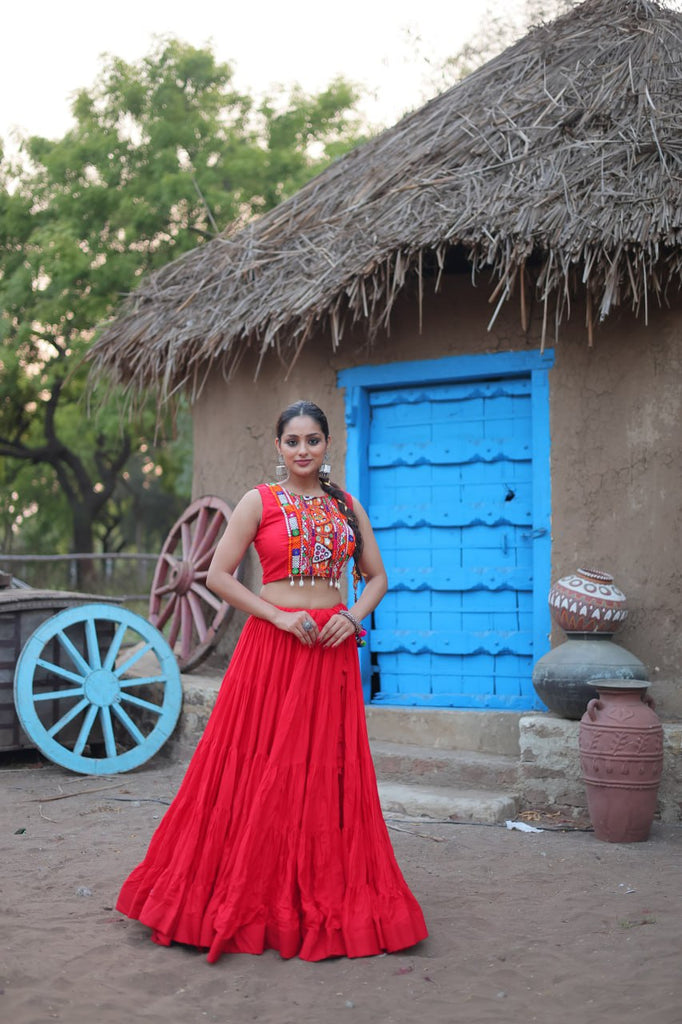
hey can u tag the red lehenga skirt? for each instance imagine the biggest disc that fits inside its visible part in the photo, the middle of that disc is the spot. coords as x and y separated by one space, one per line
276 839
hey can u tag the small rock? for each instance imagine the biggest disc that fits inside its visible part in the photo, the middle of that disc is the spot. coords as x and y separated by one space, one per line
83 890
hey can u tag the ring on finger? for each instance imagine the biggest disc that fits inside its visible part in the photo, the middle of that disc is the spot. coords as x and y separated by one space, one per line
308 625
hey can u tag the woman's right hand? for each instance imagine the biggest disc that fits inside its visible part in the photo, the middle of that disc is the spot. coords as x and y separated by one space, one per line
300 623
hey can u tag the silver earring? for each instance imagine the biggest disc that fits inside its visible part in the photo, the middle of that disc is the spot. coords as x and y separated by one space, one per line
280 469
325 473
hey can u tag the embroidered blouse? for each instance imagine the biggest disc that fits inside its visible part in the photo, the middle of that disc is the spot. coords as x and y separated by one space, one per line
301 536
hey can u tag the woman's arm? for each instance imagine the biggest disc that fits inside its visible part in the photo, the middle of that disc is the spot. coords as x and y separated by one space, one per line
376 584
371 566
239 533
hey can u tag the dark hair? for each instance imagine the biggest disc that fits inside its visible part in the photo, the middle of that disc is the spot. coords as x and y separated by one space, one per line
303 408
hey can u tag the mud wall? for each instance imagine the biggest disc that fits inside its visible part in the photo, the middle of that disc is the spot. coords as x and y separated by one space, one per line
616 427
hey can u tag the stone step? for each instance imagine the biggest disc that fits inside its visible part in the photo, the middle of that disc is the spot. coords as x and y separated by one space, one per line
446 802
407 763
485 732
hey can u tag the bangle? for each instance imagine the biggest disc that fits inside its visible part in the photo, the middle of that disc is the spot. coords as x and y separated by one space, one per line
359 631
352 620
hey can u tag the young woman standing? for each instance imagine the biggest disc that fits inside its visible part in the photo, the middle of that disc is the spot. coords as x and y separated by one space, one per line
276 839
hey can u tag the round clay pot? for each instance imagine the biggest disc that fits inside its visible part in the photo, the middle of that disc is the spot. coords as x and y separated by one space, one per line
621 757
588 602
564 678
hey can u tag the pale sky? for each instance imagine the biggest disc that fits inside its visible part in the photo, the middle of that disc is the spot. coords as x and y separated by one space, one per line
50 48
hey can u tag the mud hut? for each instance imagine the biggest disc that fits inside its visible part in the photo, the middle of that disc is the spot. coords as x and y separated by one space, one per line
486 300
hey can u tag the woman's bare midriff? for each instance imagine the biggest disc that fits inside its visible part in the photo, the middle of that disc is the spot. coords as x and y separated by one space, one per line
317 594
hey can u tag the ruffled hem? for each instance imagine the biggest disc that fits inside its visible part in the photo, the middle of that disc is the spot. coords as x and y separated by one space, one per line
276 839
292 939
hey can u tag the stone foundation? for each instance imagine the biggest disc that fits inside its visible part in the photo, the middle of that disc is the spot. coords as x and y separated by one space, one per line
549 768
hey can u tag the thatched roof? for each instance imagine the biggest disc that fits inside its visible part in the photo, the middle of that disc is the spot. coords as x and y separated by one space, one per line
558 165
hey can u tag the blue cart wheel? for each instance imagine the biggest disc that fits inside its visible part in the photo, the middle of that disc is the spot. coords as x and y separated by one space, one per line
97 689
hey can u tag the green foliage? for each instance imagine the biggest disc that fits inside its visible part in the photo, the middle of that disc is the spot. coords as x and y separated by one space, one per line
163 153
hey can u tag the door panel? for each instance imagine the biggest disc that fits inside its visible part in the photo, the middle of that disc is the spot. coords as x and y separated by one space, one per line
450 483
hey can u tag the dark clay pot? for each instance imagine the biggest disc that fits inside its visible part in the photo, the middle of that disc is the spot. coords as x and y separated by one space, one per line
564 677
621 757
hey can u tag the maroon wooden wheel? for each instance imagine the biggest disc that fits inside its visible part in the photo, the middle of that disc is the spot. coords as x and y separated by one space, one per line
181 606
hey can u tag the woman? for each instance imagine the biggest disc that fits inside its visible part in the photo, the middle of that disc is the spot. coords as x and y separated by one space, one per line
275 839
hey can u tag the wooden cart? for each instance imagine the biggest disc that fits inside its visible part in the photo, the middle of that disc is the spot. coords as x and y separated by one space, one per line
95 687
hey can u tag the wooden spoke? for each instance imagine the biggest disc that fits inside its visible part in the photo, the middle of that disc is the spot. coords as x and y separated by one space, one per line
197 614
168 609
108 731
139 653
205 545
139 703
128 723
175 625
127 684
58 694
84 734
59 670
199 532
206 595
94 659
115 646
186 538
185 629
68 717
75 655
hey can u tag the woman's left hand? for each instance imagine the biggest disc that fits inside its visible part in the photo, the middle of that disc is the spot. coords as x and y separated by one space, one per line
335 631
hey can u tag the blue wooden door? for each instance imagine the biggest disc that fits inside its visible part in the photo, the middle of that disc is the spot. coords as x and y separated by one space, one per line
450 497
454 472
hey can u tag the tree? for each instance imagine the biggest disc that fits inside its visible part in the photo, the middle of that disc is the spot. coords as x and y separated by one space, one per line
163 154
499 27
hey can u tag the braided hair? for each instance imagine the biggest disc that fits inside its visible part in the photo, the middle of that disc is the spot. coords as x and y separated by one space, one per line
303 408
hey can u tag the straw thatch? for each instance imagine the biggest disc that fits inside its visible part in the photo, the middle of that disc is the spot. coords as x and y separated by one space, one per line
557 165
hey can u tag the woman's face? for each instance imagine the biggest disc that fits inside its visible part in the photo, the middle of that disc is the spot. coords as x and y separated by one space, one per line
303 446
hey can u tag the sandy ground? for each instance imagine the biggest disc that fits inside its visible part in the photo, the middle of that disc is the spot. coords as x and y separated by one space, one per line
552 927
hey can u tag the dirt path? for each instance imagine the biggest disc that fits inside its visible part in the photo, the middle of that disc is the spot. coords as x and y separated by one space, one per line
553 927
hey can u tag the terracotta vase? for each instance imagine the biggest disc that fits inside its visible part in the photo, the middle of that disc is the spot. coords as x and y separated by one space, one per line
587 601
621 757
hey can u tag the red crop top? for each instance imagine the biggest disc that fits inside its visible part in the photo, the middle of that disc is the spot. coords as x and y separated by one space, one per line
301 536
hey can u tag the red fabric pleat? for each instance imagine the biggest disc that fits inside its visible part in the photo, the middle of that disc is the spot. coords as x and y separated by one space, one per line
276 839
